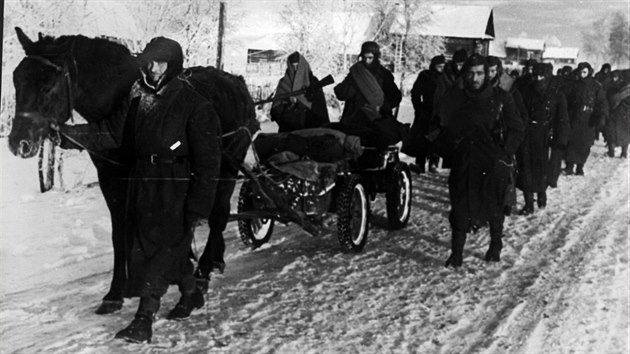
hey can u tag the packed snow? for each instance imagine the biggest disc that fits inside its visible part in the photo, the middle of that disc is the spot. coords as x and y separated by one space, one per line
562 285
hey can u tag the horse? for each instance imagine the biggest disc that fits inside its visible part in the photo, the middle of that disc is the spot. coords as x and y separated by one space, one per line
93 76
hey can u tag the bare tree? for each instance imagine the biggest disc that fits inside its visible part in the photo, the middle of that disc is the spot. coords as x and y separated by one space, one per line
595 40
310 33
619 39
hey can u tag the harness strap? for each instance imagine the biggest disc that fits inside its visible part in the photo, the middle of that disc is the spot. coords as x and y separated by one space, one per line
74 141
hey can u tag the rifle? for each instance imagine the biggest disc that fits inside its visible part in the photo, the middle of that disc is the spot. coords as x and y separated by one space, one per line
323 82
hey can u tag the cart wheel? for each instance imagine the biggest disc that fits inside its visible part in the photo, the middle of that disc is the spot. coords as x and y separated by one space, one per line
353 212
46 165
254 232
398 196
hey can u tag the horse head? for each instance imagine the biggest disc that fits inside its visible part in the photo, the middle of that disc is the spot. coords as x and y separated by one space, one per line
89 75
43 91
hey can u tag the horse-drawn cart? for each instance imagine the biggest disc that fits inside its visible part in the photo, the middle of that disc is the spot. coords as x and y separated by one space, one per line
304 176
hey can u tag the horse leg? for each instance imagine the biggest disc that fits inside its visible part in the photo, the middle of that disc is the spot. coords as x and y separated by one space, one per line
115 193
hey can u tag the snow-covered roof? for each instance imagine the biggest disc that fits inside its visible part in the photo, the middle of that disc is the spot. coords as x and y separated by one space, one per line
460 21
561 53
525 43
497 49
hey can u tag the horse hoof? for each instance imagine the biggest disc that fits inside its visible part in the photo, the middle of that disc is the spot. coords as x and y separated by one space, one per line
108 306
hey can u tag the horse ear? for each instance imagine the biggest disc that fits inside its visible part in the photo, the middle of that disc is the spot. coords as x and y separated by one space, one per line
23 38
40 36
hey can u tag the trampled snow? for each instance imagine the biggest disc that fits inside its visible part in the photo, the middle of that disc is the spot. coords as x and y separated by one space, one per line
561 287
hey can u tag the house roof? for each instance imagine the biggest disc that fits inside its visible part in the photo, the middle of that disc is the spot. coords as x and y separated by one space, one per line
460 21
561 53
525 43
497 49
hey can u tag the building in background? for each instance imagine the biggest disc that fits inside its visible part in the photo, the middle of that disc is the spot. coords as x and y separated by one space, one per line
462 27
561 56
518 49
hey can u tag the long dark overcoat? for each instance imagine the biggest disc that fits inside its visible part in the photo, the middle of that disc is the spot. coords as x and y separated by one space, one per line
548 126
296 116
422 99
588 109
617 130
171 141
479 176
176 123
380 132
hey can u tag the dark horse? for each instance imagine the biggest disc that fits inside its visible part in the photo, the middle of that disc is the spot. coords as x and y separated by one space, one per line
93 76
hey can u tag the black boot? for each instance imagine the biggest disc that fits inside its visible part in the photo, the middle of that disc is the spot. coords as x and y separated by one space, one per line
529 204
624 152
494 251
542 200
139 330
611 151
568 170
202 280
109 306
579 169
188 302
458 240
496 233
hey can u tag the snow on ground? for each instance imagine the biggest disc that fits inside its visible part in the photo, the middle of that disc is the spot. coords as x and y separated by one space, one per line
561 287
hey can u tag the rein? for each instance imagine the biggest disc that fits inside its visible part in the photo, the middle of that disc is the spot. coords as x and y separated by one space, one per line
66 73
65 70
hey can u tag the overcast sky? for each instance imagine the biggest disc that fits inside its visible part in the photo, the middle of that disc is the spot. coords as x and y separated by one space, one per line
564 19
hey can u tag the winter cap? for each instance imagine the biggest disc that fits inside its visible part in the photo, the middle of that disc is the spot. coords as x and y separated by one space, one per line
475 60
542 69
165 50
459 56
492 61
437 60
531 62
371 47
583 65
566 70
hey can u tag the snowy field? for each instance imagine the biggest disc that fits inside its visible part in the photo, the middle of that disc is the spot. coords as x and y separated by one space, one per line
562 285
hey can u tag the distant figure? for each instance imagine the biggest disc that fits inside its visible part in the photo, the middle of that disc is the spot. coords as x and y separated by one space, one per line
588 110
501 80
452 78
603 76
548 117
307 110
422 98
480 131
370 94
617 130
452 73
526 75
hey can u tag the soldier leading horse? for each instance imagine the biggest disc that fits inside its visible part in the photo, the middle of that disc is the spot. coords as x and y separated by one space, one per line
93 76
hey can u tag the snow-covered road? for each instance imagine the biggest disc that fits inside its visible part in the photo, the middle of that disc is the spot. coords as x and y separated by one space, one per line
562 285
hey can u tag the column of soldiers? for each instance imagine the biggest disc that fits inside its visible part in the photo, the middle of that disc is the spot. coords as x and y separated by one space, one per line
492 129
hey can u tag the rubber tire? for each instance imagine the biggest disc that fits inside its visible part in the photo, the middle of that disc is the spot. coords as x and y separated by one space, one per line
249 228
398 213
347 203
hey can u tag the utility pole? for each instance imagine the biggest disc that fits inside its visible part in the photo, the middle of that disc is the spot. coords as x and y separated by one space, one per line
220 39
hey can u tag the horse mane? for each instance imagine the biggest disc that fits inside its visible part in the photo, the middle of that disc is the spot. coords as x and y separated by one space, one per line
105 71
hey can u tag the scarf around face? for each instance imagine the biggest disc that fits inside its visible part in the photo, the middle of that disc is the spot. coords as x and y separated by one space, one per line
295 80
368 85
